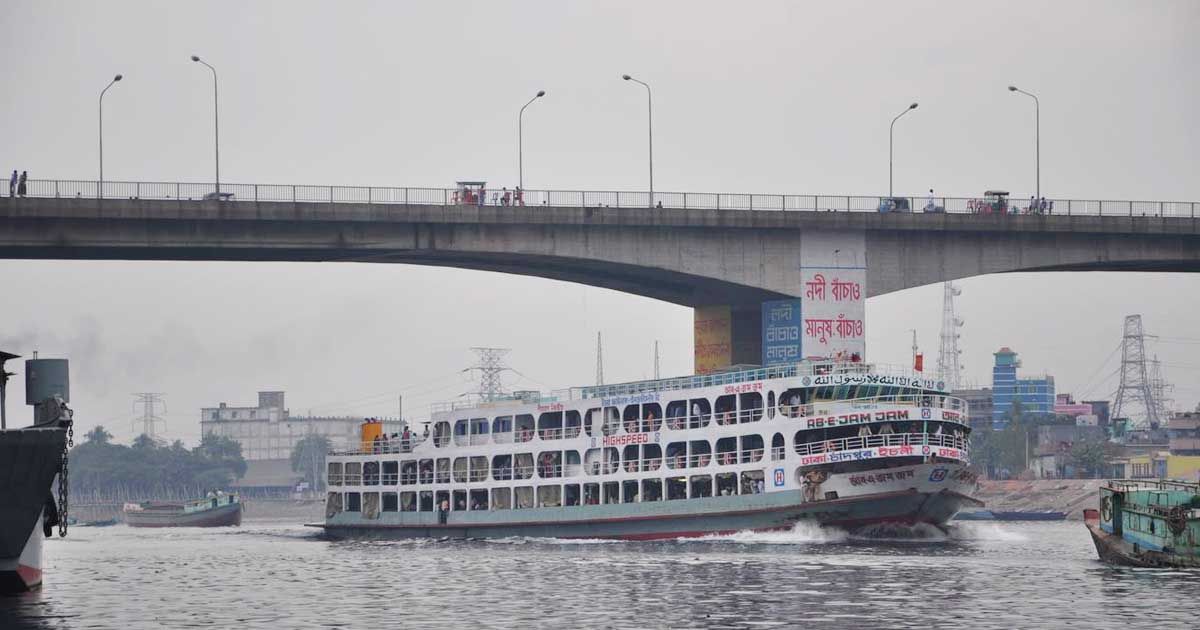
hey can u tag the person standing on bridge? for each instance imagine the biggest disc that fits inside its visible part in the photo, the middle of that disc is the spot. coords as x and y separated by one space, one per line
12 184
21 184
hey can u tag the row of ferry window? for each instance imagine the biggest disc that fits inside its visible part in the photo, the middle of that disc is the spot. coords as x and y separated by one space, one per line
745 449
692 413
568 495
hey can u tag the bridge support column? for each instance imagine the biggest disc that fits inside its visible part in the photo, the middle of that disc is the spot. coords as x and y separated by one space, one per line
727 334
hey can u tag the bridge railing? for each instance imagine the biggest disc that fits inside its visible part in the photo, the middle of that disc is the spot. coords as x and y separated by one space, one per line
304 193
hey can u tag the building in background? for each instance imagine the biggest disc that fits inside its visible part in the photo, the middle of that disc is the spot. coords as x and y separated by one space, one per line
1035 395
1183 461
979 405
268 433
1082 413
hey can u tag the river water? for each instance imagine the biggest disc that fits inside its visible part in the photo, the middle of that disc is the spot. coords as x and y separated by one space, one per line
280 575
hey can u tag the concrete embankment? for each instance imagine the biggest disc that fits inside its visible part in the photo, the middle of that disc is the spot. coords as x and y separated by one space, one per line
1056 495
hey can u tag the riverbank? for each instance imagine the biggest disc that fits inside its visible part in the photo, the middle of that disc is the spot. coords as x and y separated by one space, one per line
1053 495
288 510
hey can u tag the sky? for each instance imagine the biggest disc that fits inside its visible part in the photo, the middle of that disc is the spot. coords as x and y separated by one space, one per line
770 97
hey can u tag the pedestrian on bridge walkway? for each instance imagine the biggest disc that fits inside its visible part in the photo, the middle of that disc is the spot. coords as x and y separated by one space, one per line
21 184
12 184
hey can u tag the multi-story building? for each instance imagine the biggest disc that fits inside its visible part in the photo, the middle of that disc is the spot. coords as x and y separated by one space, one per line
1035 395
979 405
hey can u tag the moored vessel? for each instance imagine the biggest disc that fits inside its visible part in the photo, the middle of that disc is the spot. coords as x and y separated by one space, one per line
837 443
30 459
218 509
1147 523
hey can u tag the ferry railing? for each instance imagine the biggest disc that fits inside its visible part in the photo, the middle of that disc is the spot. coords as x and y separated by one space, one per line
550 434
752 455
390 479
462 439
727 458
640 200
442 476
503 437
653 463
522 472
479 475
902 400
408 478
352 479
479 438
523 435
572 432
778 453
1154 484
874 441
334 479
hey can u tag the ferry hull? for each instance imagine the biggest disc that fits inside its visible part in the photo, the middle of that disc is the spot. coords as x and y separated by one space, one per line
29 461
223 516
739 514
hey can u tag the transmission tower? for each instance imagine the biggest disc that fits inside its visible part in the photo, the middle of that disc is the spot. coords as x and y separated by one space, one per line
1160 389
150 402
599 359
948 352
1135 396
490 367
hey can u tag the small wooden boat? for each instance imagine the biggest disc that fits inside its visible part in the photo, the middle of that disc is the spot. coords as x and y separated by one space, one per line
1144 523
216 510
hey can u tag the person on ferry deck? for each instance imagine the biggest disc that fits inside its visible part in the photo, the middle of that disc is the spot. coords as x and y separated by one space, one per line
864 431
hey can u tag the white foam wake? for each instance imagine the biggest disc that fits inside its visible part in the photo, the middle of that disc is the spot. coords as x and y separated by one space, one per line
802 533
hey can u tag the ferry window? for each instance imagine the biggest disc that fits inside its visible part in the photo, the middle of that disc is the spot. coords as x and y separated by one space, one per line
370 473
523 497
571 494
550 464
459 503
770 405
726 409
408 501
479 431
460 433
631 458
676 488
601 461
677 455
631 418
823 394
479 469
550 426
651 457
523 466
699 453
426 501
334 473
441 434
752 482
727 451
677 414
651 417
752 448
441 497
391 473
408 473
353 502
727 484
572 425
460 470
523 427
591 424
443 470
591 494
479 499
502 467
549 496
501 498
612 492
651 490
700 412
629 491
778 447
333 504
612 420
353 475
573 465
701 486
790 402
503 424
752 407
371 505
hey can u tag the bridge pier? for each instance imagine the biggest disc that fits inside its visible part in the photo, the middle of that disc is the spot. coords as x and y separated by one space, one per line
727 334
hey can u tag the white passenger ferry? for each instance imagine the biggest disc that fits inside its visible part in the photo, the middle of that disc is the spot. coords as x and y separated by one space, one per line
835 443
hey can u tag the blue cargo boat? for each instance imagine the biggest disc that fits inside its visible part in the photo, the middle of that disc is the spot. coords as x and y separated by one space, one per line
1145 523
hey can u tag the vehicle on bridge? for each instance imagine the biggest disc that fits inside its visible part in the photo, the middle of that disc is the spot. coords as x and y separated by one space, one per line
218 196
894 204
837 443
993 202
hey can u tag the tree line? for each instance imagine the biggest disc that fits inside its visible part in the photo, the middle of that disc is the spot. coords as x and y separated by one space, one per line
148 469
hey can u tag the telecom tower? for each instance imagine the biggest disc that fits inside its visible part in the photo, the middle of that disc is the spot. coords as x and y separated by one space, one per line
149 402
1135 394
948 352
490 367
599 360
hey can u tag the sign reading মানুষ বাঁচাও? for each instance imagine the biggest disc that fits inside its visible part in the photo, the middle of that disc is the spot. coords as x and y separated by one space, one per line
826 322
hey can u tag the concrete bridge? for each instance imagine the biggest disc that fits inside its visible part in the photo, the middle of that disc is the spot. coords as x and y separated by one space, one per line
693 256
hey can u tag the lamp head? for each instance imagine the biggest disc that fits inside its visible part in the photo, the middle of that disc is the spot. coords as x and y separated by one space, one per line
626 77
195 58
913 106
1012 88
541 93
117 78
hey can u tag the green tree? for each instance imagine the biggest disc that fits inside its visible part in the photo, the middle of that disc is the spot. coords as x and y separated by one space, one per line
223 451
1092 456
308 458
98 435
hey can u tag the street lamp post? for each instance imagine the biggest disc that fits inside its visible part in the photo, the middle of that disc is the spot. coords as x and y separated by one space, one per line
891 134
650 128
521 140
216 125
100 188
1037 121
